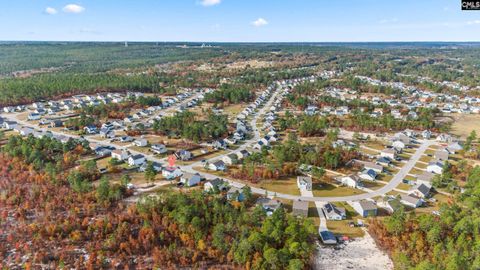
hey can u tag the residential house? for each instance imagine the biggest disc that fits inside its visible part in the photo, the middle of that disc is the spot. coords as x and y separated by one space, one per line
352 180
269 205
304 182
184 155
388 152
171 172
372 166
454 147
365 208
332 212
219 144
216 184
120 155
411 201
159 148
142 142
441 155
9 124
156 167
104 150
235 194
90 129
420 191
33 116
136 160
384 161
230 159
242 154
56 123
218 165
426 134
425 178
190 179
435 167
368 174
300 208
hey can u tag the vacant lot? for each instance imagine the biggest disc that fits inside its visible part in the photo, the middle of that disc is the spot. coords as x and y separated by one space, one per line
465 123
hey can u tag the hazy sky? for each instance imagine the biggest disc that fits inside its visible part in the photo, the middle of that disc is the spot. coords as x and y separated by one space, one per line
238 20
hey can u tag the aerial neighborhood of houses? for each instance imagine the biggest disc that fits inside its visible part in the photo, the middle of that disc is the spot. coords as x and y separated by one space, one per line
391 171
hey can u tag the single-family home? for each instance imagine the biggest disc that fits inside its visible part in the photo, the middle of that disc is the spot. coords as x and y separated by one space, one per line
56 123
159 148
156 166
171 172
190 179
104 150
90 129
219 144
218 165
216 184
235 194
184 155
352 180
33 116
384 161
441 155
426 134
269 205
304 182
398 145
242 154
230 159
388 152
425 178
9 124
142 142
368 174
136 160
372 166
410 200
420 191
435 167
300 208
365 208
120 155
454 147
332 212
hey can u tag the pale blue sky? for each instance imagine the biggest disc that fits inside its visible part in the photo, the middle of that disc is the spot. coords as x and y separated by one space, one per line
238 20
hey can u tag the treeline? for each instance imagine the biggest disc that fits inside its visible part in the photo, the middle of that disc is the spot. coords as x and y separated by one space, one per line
426 241
231 93
187 125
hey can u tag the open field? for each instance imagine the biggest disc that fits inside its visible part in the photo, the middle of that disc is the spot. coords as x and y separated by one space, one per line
463 124
329 190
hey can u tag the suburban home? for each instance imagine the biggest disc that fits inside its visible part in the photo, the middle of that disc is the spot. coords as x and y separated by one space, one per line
103 150
384 161
106 133
235 194
332 212
184 155
33 116
425 178
190 179
368 174
410 200
230 159
269 205
90 129
352 180
304 182
56 123
159 149
125 139
156 167
398 145
300 208
365 208
142 142
435 167
25 131
420 191
218 165
242 154
259 145
120 155
392 205
136 160
328 238
372 166
215 184
220 144
445 138
171 172
441 155
388 152
454 147
426 134
9 124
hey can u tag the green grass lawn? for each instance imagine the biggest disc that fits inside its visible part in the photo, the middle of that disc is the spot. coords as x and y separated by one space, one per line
415 171
329 190
385 177
373 185
287 186
342 227
421 165
404 186
425 158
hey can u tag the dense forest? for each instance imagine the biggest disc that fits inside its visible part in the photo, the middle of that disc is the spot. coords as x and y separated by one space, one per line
88 226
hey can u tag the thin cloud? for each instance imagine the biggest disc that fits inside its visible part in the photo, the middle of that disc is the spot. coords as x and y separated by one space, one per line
473 22
73 8
259 22
208 3
51 11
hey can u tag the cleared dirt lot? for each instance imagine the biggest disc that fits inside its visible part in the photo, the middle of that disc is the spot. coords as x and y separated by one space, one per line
463 124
